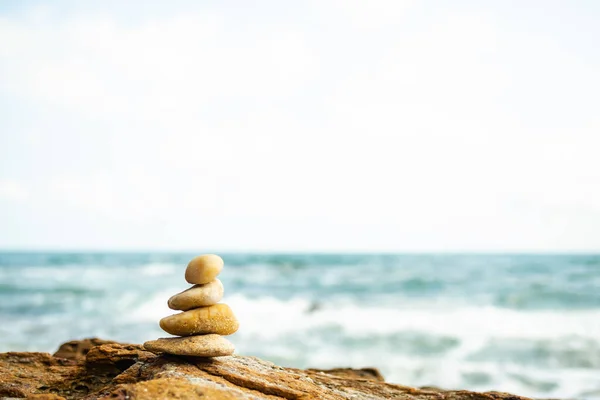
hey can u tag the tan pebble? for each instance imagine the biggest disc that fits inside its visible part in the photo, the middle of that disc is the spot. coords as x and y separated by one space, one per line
217 319
197 296
199 346
203 269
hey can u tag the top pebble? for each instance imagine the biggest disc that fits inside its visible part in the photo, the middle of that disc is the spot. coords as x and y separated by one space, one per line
203 269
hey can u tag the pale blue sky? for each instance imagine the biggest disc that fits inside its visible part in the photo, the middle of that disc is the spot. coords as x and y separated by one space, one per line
396 125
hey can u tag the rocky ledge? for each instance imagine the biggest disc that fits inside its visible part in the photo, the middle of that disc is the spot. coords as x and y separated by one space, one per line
100 369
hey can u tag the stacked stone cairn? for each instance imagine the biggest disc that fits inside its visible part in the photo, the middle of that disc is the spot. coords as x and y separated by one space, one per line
203 320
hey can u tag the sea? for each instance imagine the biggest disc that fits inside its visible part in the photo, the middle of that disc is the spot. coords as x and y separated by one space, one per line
526 324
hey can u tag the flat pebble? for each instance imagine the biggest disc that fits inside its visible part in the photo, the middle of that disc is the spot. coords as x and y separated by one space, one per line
217 319
203 269
197 296
199 346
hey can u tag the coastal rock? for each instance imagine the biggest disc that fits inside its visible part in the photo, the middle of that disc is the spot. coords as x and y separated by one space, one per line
78 349
217 319
198 346
203 269
197 296
172 377
115 357
362 373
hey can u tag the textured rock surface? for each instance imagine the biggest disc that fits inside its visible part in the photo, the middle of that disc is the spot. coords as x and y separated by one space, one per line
78 349
197 296
362 373
217 319
199 346
117 371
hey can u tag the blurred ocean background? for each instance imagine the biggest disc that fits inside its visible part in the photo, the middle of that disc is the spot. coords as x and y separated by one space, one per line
528 324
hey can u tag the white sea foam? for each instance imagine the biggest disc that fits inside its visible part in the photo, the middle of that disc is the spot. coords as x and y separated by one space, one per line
157 269
283 316
271 317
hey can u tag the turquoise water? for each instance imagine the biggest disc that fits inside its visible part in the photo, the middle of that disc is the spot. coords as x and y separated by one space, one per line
528 324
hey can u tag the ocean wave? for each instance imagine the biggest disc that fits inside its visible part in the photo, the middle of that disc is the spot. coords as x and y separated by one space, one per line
283 316
297 313
20 290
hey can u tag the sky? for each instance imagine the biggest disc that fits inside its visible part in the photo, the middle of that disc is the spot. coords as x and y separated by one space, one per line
321 125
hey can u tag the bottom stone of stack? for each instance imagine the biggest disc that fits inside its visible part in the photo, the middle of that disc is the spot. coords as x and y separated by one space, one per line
211 345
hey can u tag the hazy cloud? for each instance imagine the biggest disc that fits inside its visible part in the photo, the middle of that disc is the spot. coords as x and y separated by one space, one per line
331 125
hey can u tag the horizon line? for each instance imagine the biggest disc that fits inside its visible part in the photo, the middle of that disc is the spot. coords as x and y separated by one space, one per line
309 251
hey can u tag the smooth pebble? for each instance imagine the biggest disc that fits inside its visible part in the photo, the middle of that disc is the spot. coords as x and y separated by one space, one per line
217 319
197 296
203 269
199 346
